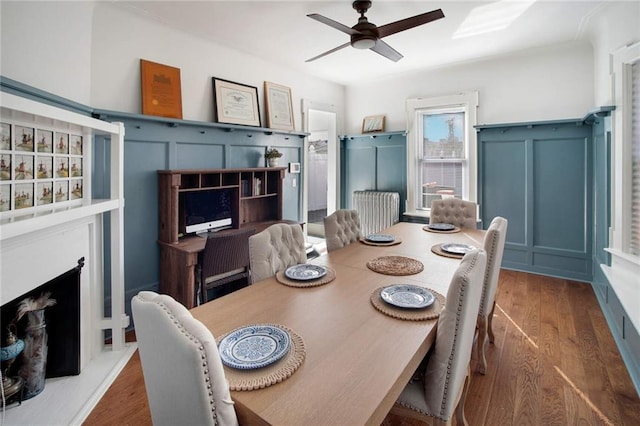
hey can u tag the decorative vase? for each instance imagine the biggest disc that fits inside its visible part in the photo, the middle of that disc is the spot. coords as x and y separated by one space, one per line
14 346
34 356
272 162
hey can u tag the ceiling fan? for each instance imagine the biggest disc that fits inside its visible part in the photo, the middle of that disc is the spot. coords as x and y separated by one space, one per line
366 35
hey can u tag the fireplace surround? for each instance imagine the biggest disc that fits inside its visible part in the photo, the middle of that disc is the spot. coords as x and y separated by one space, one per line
39 244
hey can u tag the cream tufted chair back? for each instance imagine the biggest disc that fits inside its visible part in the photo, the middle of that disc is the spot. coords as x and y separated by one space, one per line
494 246
441 390
182 370
341 228
275 249
455 211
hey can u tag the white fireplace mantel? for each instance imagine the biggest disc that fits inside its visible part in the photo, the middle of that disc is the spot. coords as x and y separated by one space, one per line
40 243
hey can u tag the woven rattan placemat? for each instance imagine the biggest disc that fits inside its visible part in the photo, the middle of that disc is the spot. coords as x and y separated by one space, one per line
427 313
453 231
371 243
437 249
395 265
246 380
327 278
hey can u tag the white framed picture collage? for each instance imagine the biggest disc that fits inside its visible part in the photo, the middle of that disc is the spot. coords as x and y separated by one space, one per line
39 166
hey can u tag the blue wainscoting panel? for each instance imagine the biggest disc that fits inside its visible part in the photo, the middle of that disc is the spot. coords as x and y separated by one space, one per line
141 161
390 177
360 168
559 185
538 176
199 156
245 156
503 178
374 162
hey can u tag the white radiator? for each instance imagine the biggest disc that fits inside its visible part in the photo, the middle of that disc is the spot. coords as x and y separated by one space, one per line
377 210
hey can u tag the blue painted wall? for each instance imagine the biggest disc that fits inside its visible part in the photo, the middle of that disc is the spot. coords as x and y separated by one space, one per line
374 162
625 334
538 176
153 144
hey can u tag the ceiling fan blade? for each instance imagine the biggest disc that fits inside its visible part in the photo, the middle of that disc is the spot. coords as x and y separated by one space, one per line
414 21
387 51
333 24
342 46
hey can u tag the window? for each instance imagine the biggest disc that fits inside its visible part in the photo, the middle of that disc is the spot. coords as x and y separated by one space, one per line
634 243
625 241
441 150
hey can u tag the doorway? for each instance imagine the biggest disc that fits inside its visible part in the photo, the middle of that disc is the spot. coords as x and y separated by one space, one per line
320 166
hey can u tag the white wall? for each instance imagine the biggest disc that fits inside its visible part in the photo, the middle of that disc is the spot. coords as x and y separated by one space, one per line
616 25
90 53
116 67
536 84
47 45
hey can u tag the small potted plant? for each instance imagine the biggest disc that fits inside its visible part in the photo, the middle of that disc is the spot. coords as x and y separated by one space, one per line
272 155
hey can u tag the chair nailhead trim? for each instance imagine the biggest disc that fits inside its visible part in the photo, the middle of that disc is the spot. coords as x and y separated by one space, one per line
203 356
463 287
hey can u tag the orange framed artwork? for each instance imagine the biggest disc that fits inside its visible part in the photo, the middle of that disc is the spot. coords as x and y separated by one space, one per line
161 90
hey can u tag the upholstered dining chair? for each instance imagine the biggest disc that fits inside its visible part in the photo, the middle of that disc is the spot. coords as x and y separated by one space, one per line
181 366
442 388
275 249
341 228
494 246
454 211
225 259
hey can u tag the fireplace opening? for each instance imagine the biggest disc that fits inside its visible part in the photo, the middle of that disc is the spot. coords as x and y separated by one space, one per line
62 323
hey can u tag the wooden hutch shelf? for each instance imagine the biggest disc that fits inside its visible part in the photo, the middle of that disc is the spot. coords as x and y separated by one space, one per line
256 195
256 201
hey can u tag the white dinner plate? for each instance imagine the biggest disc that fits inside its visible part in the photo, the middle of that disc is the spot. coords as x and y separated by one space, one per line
441 226
305 272
254 346
407 296
380 238
457 248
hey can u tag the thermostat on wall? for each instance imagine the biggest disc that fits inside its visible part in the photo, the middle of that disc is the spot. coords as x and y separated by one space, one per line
294 167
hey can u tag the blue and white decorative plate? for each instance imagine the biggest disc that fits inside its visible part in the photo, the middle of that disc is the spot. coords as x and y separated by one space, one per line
380 238
305 272
254 346
441 226
407 296
456 248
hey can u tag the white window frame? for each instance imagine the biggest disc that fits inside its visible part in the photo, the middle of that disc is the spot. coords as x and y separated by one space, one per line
625 267
619 241
415 108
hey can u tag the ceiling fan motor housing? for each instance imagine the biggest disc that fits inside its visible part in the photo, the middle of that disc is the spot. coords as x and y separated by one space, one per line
367 34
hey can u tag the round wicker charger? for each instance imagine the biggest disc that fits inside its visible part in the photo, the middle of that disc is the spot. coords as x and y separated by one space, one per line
430 312
437 249
246 380
395 265
453 231
327 278
371 243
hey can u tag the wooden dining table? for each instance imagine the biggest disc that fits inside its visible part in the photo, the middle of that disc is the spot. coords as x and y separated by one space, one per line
357 359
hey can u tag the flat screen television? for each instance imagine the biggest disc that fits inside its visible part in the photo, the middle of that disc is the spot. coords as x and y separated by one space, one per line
205 210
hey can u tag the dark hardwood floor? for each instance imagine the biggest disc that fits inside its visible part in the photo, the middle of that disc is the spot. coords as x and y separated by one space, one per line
554 362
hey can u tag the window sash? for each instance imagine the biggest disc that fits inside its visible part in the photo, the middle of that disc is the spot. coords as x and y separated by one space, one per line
415 108
634 239
438 169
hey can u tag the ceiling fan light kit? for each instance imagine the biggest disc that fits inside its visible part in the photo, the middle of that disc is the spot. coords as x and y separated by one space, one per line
363 43
366 35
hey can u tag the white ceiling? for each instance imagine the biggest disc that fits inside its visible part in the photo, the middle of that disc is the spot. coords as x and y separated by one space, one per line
280 31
